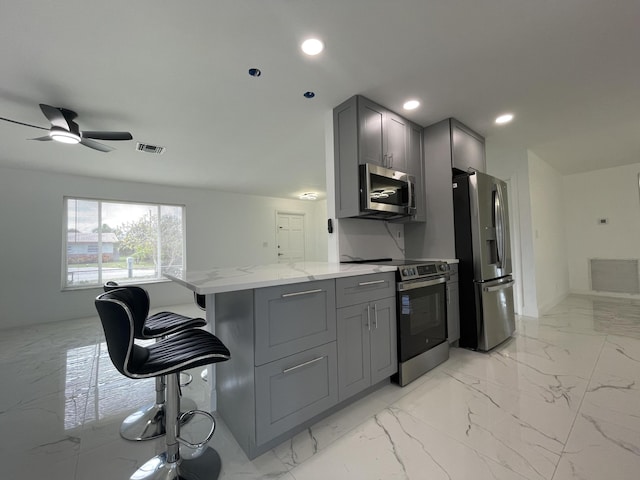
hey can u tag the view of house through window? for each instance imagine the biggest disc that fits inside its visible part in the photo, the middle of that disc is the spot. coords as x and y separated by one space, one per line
123 242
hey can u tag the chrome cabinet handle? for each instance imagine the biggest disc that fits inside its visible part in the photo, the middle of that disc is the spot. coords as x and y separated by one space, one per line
290 369
307 292
375 316
375 282
369 317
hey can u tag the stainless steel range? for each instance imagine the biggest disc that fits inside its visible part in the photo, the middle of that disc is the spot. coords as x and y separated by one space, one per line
422 318
421 306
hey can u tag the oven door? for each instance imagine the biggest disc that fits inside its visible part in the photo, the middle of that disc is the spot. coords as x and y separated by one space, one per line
422 316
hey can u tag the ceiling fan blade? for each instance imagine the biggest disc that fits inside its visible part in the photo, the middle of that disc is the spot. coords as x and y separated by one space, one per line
96 145
55 116
107 135
42 139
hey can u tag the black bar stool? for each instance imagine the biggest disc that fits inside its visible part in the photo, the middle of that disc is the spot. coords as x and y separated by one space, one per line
121 317
148 422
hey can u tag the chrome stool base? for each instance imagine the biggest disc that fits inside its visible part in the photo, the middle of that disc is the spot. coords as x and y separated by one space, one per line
149 422
206 466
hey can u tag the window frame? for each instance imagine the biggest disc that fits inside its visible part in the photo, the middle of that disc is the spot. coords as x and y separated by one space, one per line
64 273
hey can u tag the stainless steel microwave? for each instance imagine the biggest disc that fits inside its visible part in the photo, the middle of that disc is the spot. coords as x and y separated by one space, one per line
385 193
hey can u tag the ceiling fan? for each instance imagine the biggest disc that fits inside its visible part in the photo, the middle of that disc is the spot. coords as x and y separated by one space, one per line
64 129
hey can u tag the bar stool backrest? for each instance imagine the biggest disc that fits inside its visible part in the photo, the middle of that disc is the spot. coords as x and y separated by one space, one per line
121 313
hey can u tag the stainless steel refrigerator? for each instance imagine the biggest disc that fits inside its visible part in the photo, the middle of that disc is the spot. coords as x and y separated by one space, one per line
483 248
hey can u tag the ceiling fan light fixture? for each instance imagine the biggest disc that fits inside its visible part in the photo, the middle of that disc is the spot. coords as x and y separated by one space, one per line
64 136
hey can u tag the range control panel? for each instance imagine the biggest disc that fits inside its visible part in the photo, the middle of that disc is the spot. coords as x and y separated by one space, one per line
423 270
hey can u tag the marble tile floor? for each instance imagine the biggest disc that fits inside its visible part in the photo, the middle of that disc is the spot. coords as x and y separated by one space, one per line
560 400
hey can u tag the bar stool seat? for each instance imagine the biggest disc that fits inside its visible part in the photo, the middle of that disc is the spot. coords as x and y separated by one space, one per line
121 317
148 422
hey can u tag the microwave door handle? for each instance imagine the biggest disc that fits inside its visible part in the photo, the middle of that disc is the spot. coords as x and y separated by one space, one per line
411 203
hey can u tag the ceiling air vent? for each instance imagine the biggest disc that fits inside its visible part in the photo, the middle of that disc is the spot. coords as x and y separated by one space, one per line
145 147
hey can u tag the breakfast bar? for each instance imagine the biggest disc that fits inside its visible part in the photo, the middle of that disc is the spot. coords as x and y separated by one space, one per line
305 339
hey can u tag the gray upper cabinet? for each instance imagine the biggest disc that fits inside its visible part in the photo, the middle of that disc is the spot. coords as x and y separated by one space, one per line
370 131
467 148
365 132
448 146
382 135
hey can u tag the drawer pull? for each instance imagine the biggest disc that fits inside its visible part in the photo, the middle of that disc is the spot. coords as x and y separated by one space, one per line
375 282
290 369
307 292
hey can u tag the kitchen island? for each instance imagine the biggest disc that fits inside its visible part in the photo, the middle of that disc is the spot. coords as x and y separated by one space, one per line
305 339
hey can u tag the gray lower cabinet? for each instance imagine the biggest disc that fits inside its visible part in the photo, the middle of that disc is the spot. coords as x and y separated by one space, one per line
366 345
286 361
453 306
294 389
367 337
293 318
283 366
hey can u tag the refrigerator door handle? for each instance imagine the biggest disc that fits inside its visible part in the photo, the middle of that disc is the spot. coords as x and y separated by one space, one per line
501 286
499 216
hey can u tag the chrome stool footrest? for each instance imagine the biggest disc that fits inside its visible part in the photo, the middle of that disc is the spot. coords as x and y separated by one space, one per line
149 422
192 413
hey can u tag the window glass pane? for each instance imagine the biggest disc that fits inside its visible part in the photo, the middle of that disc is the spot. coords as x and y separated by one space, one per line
171 237
82 242
123 242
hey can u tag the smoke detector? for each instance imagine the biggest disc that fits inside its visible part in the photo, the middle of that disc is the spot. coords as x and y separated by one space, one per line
145 147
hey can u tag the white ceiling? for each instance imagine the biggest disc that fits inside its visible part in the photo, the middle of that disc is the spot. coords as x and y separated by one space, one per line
174 73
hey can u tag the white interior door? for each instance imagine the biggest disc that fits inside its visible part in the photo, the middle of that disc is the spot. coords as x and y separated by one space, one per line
290 237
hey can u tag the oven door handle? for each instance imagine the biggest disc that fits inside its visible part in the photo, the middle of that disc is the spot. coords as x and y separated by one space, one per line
412 285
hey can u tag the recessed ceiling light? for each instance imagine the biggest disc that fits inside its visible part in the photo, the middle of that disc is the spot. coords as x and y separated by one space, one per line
309 94
255 72
411 104
506 118
312 46
308 196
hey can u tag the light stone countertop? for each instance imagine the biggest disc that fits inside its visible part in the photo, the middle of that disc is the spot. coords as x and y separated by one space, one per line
230 279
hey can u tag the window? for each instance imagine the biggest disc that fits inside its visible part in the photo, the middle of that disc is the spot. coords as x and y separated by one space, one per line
123 242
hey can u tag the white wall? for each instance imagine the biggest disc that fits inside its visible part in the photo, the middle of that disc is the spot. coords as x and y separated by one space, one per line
610 193
549 239
223 229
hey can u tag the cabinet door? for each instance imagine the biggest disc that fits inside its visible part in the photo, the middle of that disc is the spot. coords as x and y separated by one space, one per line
467 148
453 312
395 147
295 389
384 356
293 318
371 141
354 367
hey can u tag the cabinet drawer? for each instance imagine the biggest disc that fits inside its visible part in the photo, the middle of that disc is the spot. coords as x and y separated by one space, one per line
293 318
364 288
292 390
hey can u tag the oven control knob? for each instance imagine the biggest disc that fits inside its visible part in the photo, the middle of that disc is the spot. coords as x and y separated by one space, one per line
405 272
